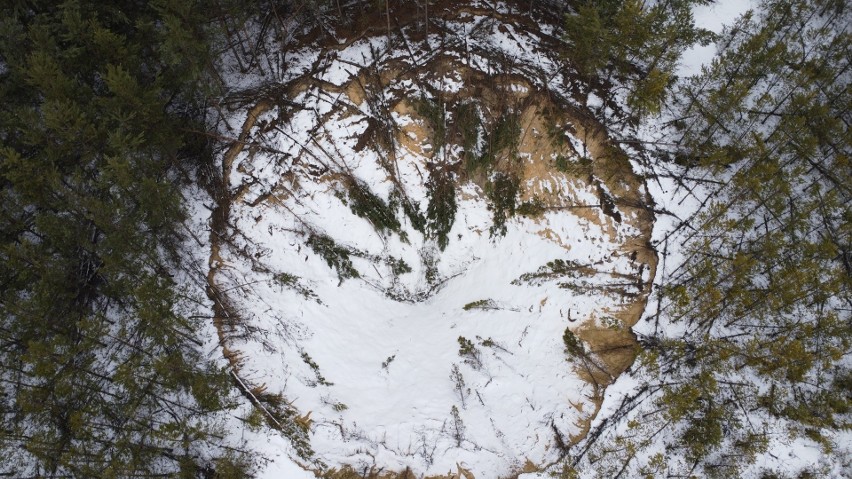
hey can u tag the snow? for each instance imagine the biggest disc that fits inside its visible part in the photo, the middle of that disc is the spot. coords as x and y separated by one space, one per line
714 17
385 344
386 392
785 455
397 414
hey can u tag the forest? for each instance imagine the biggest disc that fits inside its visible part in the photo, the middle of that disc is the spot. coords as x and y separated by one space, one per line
110 121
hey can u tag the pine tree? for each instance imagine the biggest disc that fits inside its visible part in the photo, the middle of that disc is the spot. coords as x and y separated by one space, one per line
761 299
631 45
102 375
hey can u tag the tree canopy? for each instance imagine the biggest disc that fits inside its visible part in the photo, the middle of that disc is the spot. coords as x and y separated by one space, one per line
754 330
102 373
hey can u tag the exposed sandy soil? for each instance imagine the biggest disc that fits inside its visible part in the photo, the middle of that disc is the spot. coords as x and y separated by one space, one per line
612 347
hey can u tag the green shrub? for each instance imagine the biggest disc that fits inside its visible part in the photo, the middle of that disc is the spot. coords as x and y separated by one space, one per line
480 304
411 210
504 136
291 281
367 205
573 345
581 167
532 209
398 266
502 191
468 351
435 113
310 362
336 256
441 211
468 125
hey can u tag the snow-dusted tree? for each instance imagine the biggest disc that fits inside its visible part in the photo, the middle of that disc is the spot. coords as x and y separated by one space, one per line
761 302
632 43
102 374
459 385
457 427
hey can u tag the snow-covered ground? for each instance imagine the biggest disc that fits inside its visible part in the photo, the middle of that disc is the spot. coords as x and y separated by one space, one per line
425 359
381 389
382 393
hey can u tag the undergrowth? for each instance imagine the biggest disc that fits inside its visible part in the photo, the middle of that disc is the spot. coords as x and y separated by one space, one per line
468 125
504 136
313 365
480 304
410 209
335 255
291 281
532 209
435 113
577 166
557 268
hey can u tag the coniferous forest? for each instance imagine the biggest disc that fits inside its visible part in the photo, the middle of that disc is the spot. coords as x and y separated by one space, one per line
110 115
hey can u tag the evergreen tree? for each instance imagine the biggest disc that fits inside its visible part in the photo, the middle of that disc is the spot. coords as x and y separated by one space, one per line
632 45
102 375
760 305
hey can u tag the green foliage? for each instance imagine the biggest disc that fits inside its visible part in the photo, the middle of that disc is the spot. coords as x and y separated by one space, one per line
466 347
398 266
459 385
648 94
480 304
441 211
431 265
504 136
761 331
315 367
633 42
291 281
573 345
468 350
367 205
286 279
102 374
558 268
503 192
468 125
589 32
457 427
607 203
336 256
411 210
532 209
255 419
281 417
582 167
435 113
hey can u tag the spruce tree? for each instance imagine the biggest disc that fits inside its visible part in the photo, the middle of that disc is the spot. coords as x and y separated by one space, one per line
631 46
102 374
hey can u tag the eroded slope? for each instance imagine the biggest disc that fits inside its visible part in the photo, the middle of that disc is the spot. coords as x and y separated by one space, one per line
405 240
